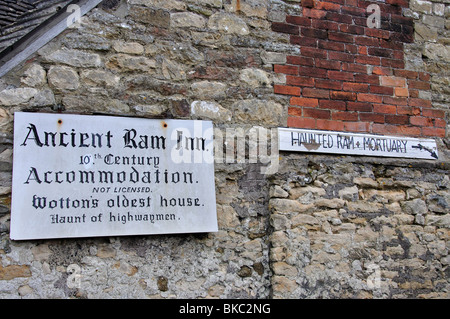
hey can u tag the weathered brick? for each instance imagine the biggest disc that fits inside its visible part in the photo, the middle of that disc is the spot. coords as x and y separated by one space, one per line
300 60
440 122
295 111
433 113
398 18
401 92
423 76
406 74
345 116
285 28
371 117
340 56
329 125
303 41
359 106
354 29
385 108
349 96
357 126
366 78
351 48
328 6
379 70
299 80
368 60
386 90
355 87
340 37
355 68
303 21
367 41
413 93
286 69
380 52
301 122
340 75
354 11
313 13
330 45
395 100
314 33
332 104
301 101
316 113
312 92
338 17
408 110
433 131
396 119
313 52
420 85
328 84
421 121
377 33
307 3
396 130
325 25
419 102
314 72
393 63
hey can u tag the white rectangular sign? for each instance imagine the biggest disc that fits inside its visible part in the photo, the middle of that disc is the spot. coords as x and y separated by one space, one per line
89 176
317 141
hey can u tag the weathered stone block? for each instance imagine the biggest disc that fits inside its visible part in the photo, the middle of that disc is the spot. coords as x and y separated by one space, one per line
255 78
258 111
286 205
172 70
284 269
210 110
154 17
128 47
209 90
277 191
100 77
437 51
74 58
228 23
14 271
415 206
421 6
251 8
34 76
187 20
29 96
17 96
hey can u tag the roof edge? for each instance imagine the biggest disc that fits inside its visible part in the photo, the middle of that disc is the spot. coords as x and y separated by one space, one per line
18 52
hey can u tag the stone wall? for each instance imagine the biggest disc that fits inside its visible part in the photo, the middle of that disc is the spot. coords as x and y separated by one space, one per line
359 229
321 226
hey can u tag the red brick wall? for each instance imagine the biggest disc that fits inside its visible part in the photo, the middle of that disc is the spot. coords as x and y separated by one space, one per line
349 77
